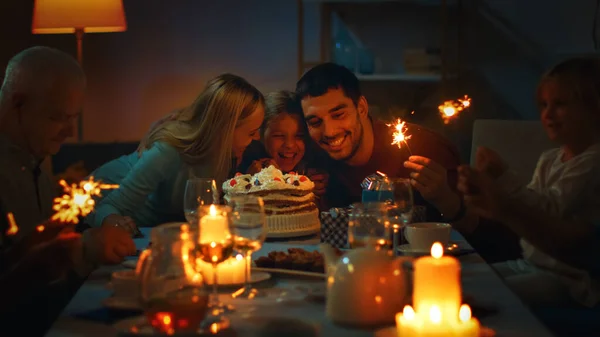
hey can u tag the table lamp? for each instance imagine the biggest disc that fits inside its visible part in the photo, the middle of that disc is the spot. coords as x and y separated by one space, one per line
78 17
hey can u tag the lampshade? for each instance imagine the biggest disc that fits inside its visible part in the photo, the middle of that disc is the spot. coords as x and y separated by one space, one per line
65 16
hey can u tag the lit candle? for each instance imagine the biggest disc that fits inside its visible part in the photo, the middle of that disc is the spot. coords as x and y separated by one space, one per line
437 299
437 282
411 324
232 271
213 226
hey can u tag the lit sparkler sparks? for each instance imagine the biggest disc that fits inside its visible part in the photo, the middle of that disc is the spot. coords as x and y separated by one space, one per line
12 225
400 136
451 109
78 200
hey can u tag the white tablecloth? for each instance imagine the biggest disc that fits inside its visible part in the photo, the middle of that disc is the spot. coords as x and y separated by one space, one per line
85 315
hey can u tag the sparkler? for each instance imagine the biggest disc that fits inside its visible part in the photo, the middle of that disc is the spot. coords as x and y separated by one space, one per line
451 109
400 136
12 225
78 200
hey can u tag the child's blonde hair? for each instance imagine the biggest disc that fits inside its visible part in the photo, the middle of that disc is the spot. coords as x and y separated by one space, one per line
203 132
581 77
278 102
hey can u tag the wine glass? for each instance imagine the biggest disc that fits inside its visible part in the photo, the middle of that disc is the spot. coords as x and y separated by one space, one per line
198 192
214 245
400 215
173 297
368 225
250 227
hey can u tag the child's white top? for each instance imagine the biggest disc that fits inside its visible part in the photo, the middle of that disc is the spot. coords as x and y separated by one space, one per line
567 190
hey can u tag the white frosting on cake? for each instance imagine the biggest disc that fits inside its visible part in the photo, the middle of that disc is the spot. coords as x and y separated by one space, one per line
268 179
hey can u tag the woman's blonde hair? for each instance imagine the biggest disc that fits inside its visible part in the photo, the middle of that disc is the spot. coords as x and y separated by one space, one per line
581 77
203 131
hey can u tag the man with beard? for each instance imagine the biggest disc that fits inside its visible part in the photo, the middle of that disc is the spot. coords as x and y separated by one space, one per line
357 145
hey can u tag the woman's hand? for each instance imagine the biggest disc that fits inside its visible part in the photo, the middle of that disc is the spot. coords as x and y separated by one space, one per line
260 164
320 178
489 162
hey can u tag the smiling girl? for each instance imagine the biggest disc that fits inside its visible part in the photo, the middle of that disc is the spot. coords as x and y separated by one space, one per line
285 139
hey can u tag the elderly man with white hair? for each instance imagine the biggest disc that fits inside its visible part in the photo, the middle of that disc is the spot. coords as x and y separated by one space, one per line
40 98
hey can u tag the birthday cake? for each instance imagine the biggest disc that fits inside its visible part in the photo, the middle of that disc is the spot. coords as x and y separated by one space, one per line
289 200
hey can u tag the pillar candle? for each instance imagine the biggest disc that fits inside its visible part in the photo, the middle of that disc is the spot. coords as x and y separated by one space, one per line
231 271
213 226
437 282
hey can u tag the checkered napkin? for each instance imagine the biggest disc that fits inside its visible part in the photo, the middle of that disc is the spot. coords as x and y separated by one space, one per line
334 227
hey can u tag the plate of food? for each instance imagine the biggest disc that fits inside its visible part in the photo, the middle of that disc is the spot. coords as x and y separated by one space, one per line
294 261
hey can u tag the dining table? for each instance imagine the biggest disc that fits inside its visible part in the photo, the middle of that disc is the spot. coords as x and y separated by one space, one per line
286 310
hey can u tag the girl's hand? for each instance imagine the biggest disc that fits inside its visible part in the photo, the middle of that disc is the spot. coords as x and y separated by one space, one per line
260 164
481 193
320 178
489 162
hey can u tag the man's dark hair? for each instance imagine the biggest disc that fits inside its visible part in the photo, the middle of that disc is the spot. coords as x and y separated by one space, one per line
318 80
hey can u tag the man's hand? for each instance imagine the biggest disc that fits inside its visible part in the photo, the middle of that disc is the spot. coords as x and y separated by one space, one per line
481 193
109 245
260 164
430 179
320 178
49 260
489 162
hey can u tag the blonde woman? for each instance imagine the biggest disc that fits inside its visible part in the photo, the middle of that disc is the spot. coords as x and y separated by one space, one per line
206 139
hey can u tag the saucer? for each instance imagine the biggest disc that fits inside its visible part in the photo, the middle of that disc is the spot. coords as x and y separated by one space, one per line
454 248
391 332
255 277
122 303
138 326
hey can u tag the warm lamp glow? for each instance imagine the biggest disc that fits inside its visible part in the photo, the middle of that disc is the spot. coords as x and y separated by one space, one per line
435 314
66 16
465 313
437 250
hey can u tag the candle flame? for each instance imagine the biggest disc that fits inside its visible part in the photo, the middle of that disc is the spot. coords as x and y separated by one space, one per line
12 225
464 314
78 200
437 250
399 136
408 312
212 210
435 314
450 109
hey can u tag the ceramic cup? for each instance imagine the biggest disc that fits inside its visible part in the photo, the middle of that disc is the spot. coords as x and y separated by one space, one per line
125 283
422 235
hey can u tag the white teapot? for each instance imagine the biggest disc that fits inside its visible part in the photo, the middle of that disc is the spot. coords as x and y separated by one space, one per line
365 287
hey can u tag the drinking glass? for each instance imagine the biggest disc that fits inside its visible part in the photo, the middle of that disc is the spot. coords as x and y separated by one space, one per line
400 215
368 225
249 225
214 245
174 299
198 192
